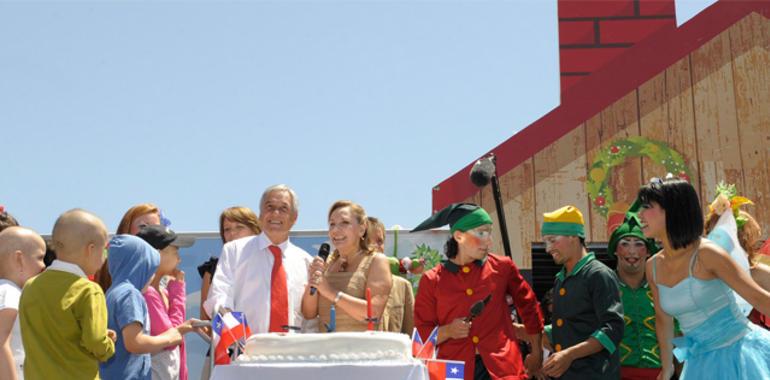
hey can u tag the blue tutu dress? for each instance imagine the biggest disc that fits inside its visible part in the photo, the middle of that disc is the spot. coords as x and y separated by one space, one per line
719 342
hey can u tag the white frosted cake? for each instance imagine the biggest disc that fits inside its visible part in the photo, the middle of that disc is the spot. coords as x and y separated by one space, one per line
342 347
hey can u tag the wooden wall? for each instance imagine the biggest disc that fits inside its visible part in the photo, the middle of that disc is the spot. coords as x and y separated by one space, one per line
712 106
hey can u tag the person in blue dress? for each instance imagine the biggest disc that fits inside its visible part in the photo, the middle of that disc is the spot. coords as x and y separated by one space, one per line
692 279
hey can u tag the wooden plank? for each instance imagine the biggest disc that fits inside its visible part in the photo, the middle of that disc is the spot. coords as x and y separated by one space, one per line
560 174
666 114
715 116
749 39
618 121
518 193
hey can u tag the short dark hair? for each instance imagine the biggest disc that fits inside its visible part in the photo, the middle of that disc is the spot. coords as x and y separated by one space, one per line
684 217
451 248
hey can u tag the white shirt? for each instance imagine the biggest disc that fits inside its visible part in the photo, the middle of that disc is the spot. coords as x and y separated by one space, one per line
9 299
242 281
64 266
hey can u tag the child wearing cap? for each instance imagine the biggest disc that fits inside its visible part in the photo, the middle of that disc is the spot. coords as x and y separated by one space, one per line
587 313
132 265
21 257
63 316
166 305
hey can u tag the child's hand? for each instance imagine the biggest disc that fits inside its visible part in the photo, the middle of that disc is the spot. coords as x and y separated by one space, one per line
112 335
178 274
193 324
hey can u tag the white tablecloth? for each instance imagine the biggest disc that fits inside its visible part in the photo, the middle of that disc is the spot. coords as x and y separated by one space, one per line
322 371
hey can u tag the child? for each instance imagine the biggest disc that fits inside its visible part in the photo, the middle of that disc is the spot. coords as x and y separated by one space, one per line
132 264
63 315
21 257
166 305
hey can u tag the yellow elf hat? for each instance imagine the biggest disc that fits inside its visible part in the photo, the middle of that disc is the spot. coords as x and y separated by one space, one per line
566 221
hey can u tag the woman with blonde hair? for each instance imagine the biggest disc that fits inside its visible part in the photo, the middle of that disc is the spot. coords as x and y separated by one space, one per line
342 281
749 234
133 220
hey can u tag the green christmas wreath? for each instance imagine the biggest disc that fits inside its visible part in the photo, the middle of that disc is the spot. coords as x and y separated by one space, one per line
615 154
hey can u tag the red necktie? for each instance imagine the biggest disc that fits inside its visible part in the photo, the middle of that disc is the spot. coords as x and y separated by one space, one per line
279 295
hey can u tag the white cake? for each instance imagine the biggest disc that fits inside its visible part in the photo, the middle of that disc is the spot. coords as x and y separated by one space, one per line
342 347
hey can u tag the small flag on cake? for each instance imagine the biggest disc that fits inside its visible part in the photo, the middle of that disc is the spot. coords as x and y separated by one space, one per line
416 342
425 350
230 328
445 369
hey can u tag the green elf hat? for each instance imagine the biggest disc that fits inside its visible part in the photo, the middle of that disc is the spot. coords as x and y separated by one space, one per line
459 217
566 221
632 226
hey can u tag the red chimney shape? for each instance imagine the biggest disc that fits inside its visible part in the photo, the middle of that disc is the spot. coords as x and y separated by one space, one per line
593 32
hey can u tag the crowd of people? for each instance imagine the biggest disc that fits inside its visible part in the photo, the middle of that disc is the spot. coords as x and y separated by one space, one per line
88 305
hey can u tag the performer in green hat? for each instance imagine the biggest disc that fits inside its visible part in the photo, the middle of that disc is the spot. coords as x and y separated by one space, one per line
639 350
487 344
587 313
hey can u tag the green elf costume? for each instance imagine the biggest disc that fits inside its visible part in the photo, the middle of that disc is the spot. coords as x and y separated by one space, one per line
639 351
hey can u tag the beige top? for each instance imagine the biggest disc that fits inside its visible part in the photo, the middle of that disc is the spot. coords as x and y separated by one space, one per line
352 284
398 316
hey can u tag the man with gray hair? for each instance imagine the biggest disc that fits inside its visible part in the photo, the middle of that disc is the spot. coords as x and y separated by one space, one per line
265 275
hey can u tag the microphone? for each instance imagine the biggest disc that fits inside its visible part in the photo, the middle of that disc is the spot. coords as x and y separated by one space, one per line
323 253
483 171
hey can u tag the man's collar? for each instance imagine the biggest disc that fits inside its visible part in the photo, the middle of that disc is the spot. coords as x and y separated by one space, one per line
64 266
454 268
580 264
265 242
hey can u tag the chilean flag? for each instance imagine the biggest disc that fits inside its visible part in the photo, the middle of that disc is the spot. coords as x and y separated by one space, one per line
230 328
425 350
416 342
445 369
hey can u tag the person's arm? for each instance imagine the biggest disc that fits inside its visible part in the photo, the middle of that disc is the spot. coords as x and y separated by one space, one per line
220 293
407 324
760 273
310 301
205 284
91 314
378 280
719 263
664 327
137 342
176 299
530 313
7 362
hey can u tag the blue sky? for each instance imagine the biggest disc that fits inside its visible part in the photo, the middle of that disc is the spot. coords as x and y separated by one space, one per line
198 106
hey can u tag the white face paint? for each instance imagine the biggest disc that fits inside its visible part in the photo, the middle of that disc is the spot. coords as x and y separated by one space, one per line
632 254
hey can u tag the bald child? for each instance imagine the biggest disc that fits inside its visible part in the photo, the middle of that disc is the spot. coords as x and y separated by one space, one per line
63 314
21 258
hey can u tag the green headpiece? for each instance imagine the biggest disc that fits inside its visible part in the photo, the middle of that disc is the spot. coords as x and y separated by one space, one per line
632 226
459 217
